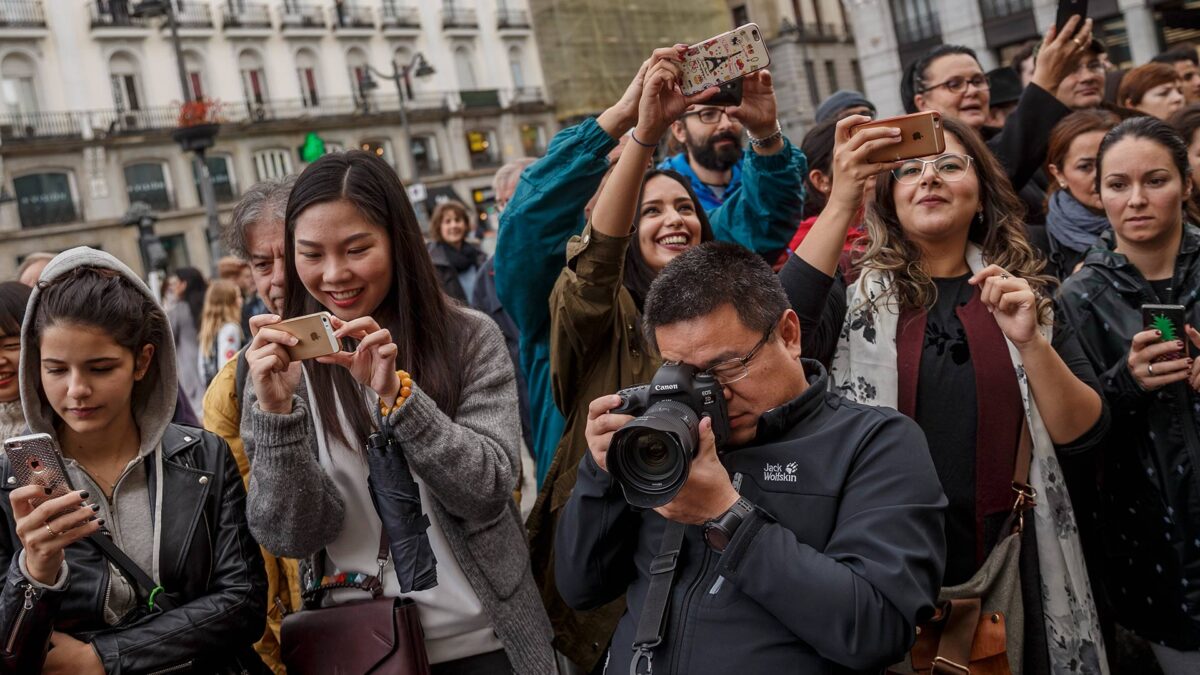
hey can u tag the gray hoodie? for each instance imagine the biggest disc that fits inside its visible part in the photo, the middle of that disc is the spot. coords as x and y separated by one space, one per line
128 516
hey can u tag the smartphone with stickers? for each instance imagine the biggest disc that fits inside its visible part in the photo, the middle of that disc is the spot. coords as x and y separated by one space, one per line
724 58
36 460
1170 321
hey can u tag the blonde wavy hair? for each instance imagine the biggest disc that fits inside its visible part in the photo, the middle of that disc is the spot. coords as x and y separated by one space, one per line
999 230
222 305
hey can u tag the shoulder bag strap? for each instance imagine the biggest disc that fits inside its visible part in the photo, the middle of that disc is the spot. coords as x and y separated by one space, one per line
962 615
372 584
132 571
652 622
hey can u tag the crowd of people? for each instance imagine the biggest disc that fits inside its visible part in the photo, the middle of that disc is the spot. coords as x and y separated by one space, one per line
948 435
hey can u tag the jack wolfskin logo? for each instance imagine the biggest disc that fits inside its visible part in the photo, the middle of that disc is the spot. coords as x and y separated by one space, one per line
778 473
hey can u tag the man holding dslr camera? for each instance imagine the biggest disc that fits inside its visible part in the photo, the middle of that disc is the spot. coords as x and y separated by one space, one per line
813 539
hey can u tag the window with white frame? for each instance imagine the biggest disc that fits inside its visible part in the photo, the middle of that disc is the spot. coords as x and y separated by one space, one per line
147 182
254 82
220 170
18 90
425 154
46 198
273 163
193 65
306 71
126 79
465 67
516 65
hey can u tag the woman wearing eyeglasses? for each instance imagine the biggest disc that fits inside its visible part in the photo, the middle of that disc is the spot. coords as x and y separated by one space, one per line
950 80
945 317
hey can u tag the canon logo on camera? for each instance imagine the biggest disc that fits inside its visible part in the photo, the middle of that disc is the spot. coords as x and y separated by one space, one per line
666 387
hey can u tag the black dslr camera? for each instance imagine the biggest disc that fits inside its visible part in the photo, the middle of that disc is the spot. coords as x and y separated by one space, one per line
650 456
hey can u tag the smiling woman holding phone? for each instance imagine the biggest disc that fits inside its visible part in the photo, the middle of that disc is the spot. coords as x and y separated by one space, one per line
353 248
944 317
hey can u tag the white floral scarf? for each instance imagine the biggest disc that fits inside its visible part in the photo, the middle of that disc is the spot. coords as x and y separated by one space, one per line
864 370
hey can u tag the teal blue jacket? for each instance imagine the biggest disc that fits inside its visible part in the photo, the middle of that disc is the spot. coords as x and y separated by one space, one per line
547 210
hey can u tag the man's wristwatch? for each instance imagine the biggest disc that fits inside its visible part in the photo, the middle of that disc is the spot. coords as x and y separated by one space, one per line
719 531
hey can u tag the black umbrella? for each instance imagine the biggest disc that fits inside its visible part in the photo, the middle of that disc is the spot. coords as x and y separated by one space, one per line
397 500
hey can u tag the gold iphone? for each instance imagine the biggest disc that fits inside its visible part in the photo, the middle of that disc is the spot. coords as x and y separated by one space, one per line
920 135
315 335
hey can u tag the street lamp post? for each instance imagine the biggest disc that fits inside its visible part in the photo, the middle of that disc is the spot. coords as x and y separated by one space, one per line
400 76
151 8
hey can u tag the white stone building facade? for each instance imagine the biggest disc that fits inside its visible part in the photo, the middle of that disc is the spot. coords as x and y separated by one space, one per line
89 95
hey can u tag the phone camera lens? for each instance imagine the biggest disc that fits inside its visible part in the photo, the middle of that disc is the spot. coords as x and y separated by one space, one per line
754 34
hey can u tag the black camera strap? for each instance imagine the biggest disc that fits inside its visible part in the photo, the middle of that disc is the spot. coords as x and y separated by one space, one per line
652 623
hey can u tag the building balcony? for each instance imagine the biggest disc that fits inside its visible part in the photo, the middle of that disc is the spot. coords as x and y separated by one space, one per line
397 16
1007 22
299 16
31 129
110 18
512 19
351 17
192 15
992 9
246 15
21 14
459 18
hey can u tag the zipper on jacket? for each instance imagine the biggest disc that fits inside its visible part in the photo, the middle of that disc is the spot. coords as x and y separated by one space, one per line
683 610
30 596
173 669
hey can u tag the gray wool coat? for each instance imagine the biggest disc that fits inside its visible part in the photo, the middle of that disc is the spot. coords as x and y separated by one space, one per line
470 463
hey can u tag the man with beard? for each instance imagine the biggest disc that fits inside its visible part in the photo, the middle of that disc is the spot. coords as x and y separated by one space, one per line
713 159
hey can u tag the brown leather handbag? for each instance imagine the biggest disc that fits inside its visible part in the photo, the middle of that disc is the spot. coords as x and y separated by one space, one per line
381 635
978 626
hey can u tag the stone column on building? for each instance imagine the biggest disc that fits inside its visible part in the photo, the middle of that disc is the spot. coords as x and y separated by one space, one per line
1140 29
878 60
962 24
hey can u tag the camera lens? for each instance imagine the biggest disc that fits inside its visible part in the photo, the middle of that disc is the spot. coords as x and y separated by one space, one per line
651 455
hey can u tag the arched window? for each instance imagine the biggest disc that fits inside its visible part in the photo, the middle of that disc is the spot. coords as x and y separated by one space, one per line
306 71
516 65
254 81
46 198
18 73
147 182
193 64
356 62
126 78
465 67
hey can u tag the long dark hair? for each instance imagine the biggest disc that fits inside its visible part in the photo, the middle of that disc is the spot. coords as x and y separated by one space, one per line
999 231
193 293
914 75
423 325
1151 129
14 295
638 275
102 298
818 148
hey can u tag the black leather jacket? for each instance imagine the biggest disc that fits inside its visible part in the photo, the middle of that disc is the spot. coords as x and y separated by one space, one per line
1150 484
211 569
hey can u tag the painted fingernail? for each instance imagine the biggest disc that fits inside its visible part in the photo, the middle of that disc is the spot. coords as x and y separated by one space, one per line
83 494
95 508
1158 333
48 490
1179 344
100 521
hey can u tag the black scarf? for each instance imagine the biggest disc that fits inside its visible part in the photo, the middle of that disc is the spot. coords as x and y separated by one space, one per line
462 258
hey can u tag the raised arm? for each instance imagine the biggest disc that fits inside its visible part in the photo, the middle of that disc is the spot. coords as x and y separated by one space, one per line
547 209
762 214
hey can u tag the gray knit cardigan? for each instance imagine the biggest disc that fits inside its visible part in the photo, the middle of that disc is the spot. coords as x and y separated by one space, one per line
470 463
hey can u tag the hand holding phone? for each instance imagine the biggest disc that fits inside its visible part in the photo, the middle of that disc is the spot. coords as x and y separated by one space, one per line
1069 8
921 135
272 371
49 514
373 361
1159 355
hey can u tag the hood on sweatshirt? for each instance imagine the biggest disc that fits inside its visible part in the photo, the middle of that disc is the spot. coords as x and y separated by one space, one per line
153 397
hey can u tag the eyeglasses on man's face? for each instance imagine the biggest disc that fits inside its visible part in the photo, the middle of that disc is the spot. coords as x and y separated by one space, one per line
707 115
956 85
950 167
728 372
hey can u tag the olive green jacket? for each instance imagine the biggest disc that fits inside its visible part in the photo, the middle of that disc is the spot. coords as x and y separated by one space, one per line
596 348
